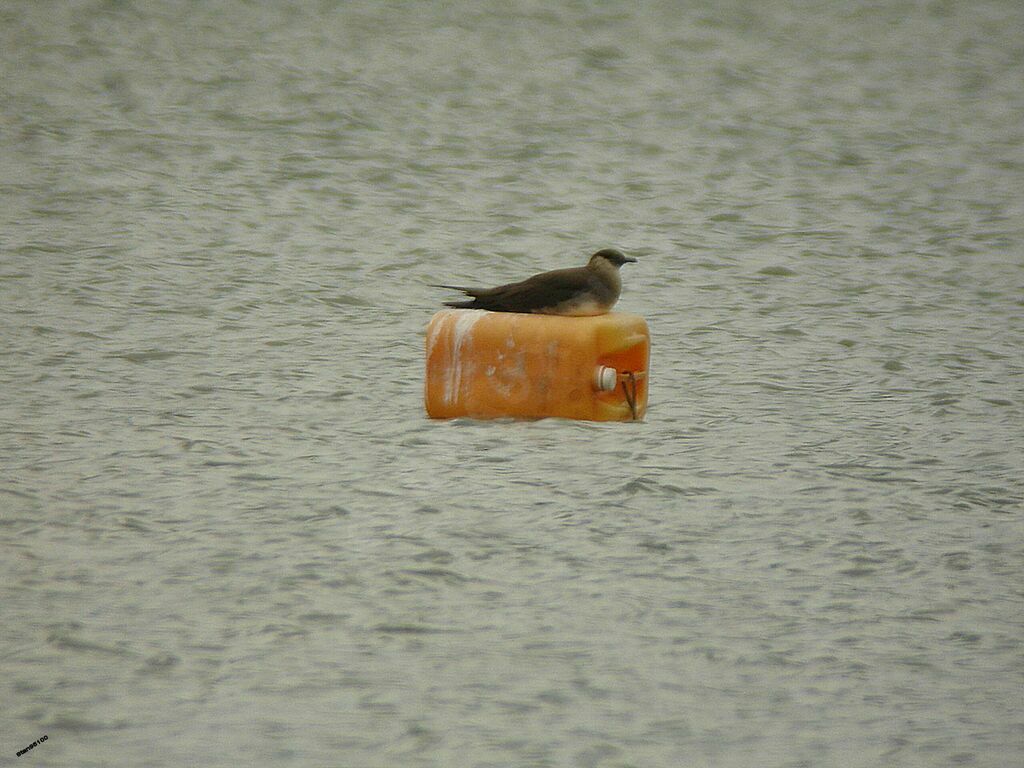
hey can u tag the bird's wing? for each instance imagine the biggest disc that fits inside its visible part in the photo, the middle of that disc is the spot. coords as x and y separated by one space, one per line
538 292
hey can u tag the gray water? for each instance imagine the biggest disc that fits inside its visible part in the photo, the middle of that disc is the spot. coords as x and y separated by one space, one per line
230 536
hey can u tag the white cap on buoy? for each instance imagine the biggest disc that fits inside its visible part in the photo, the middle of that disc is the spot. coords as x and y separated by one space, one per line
605 378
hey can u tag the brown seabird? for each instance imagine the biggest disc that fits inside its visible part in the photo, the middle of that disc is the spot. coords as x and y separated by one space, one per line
580 291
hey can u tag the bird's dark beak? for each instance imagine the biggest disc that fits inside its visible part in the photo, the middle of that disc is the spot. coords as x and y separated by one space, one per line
630 259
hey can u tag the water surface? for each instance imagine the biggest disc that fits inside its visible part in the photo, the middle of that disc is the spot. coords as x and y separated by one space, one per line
230 534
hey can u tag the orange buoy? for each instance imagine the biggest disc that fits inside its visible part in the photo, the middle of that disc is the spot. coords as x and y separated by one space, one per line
492 364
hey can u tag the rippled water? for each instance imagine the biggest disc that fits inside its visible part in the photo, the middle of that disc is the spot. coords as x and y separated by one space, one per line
231 536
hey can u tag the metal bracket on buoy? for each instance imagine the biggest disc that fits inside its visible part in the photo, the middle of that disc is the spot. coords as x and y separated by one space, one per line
606 379
628 379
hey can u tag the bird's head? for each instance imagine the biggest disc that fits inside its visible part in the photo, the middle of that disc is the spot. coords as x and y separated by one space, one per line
611 256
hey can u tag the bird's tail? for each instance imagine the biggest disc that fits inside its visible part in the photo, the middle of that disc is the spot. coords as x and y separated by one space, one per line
472 303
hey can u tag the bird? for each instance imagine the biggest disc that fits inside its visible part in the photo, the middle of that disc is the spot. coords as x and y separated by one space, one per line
577 291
